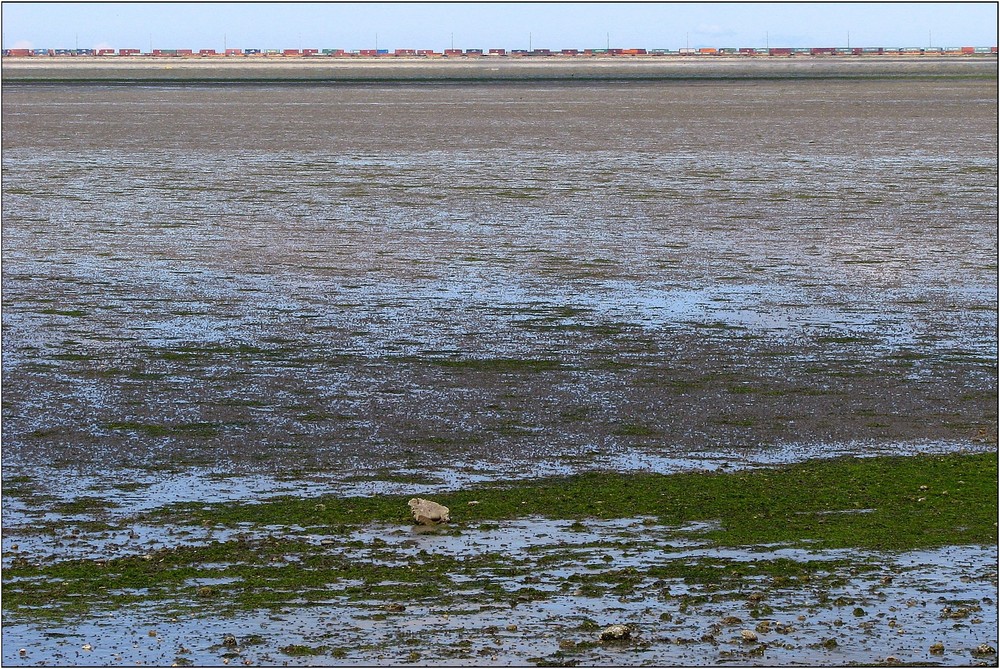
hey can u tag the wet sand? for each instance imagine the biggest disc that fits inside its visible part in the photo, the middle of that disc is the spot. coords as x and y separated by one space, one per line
490 69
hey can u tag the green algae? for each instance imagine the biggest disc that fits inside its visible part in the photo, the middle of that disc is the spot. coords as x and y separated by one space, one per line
817 502
886 503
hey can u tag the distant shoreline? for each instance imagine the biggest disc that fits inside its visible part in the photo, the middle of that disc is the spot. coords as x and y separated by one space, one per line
216 70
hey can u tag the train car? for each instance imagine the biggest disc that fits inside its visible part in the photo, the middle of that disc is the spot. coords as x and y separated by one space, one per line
429 53
251 52
474 52
207 52
727 51
822 51
234 52
452 53
18 53
497 52
779 51
129 52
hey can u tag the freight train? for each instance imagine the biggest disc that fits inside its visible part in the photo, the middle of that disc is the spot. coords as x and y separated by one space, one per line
501 53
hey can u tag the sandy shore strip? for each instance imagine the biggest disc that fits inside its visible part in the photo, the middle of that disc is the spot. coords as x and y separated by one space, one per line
486 69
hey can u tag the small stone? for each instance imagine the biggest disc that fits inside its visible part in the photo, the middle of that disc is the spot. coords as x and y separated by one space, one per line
567 644
395 607
937 648
616 633
984 649
748 636
22 652
732 620
892 659
229 641
426 512
764 626
87 646
152 632
473 502
511 628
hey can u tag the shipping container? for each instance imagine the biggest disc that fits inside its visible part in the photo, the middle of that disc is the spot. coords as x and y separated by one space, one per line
660 52
822 51
453 52
498 52
332 52
428 52
473 52
251 52
985 49
779 51
206 52
128 52
404 52
748 51
686 51
381 52
19 53
67 52
234 52
368 53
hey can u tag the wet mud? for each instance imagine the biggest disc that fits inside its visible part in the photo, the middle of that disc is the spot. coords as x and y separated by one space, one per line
225 292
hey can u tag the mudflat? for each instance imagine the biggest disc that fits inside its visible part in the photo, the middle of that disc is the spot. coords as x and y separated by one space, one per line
251 276
316 295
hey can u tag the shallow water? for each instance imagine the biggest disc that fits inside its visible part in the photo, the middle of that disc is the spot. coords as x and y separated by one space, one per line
867 617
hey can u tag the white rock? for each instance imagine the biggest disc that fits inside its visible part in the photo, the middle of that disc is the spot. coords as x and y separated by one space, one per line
616 633
426 512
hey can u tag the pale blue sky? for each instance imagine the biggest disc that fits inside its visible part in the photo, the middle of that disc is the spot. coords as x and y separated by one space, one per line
555 25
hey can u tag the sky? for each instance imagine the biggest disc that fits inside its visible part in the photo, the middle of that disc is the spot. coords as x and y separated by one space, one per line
466 25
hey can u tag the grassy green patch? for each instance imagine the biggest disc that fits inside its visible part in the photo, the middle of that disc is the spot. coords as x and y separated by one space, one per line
815 501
